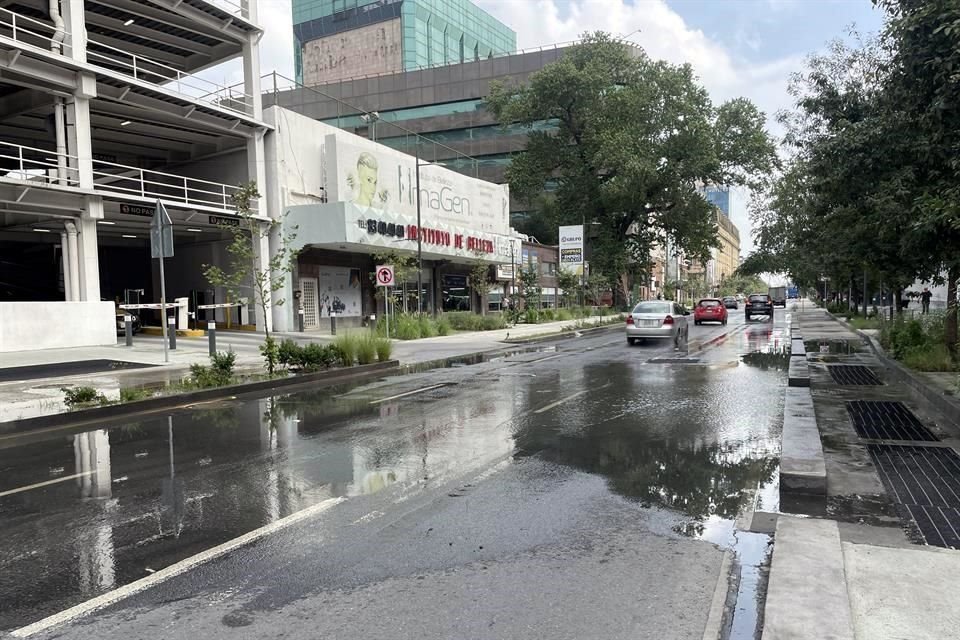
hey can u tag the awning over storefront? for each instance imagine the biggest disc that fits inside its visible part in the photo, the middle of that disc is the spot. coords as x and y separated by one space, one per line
345 226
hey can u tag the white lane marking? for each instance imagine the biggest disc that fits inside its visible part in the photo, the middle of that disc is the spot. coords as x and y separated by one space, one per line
45 483
94 604
408 393
561 401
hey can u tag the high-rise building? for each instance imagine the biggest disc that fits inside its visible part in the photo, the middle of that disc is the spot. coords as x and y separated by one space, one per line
339 39
720 197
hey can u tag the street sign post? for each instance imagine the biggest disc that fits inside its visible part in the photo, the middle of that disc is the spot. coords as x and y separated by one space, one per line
385 277
161 246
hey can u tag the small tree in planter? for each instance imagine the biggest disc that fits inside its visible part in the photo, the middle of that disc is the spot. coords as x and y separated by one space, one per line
530 292
268 274
479 280
568 282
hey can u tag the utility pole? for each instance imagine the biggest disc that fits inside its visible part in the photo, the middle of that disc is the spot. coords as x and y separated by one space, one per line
419 239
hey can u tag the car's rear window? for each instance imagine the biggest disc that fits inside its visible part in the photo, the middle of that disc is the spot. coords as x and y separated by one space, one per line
759 298
709 303
652 307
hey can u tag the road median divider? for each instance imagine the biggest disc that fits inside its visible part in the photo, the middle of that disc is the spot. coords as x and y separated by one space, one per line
157 404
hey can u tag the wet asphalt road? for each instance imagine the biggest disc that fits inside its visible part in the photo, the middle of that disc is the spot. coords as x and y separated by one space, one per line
582 490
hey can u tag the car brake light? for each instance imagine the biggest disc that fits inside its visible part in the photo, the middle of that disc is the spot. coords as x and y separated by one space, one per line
668 320
629 319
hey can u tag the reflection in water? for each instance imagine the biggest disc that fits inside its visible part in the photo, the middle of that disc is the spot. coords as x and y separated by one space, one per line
697 443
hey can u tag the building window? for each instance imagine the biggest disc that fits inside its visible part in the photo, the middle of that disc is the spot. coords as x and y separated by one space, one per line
549 269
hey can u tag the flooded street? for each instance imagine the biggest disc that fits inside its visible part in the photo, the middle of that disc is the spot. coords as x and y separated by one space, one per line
480 500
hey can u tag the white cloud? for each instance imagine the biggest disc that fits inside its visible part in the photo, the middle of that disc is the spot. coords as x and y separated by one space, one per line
664 35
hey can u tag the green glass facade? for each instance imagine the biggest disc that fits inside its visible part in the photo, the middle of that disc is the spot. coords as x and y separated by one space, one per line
434 32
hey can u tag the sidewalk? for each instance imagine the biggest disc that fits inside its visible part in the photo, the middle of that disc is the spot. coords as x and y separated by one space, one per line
32 396
875 557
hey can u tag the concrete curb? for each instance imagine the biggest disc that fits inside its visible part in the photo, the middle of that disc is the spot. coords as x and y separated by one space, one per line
797 348
897 372
807 593
718 606
802 465
564 335
798 373
316 380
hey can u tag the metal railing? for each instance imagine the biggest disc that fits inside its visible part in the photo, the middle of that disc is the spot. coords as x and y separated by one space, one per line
26 30
39 166
189 85
235 8
36 33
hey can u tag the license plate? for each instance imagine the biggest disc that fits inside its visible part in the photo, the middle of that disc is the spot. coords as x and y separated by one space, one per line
649 323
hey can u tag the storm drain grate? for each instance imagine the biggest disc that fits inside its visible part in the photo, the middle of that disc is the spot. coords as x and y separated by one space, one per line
882 420
926 482
852 374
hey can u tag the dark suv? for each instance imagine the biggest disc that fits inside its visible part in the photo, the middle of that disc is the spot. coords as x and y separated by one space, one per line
758 304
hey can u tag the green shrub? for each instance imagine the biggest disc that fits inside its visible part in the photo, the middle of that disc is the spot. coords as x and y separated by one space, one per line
929 357
366 349
564 314
222 363
315 357
218 374
405 326
531 316
270 350
463 320
384 348
547 315
81 396
428 327
346 346
492 322
444 327
289 353
134 394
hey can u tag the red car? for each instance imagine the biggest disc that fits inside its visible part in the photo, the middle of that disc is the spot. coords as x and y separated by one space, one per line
710 310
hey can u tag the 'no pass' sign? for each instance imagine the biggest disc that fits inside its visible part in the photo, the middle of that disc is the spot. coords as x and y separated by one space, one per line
385 275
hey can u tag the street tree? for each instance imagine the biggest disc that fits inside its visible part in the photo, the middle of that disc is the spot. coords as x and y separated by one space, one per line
924 36
635 141
251 272
479 279
568 282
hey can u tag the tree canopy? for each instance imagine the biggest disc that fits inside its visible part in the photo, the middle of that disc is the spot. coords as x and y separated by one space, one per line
635 142
871 185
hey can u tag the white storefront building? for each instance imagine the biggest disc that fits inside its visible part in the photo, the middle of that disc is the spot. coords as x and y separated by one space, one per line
94 133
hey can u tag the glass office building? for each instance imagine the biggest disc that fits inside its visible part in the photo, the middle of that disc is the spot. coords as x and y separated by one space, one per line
340 39
719 197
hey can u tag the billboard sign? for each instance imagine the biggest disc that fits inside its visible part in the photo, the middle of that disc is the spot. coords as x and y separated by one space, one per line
380 179
571 247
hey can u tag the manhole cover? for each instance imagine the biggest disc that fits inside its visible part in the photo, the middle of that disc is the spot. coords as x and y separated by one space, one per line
852 374
882 420
926 482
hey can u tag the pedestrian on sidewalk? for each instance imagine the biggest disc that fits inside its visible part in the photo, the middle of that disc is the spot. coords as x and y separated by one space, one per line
925 300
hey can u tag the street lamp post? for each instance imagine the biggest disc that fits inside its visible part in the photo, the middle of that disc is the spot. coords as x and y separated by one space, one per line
419 239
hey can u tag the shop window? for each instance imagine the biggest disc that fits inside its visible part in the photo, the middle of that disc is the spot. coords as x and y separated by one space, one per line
455 293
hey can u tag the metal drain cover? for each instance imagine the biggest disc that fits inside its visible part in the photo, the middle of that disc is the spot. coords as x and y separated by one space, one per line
926 482
882 420
852 374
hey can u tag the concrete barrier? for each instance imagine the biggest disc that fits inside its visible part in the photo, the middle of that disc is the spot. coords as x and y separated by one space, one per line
802 467
25 326
798 374
797 348
807 593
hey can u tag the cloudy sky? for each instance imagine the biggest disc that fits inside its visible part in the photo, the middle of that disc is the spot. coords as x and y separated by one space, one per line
738 47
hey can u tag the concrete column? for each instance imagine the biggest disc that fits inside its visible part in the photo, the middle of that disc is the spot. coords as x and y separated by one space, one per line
78 141
89 254
65 259
251 75
72 257
75 43
262 247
